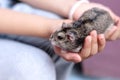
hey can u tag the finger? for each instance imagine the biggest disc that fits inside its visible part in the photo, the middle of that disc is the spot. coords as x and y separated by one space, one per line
115 35
85 52
114 16
94 46
101 42
74 57
116 19
118 24
109 32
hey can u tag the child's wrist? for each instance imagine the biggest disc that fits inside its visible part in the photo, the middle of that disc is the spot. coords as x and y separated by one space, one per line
67 7
75 7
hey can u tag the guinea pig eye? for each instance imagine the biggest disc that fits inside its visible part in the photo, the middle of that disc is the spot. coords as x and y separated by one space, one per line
61 36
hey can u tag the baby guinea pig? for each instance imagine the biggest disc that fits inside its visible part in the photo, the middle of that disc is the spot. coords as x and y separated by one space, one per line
71 36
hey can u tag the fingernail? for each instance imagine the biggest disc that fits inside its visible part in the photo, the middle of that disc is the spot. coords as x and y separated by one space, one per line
89 38
115 27
101 36
94 33
64 52
112 28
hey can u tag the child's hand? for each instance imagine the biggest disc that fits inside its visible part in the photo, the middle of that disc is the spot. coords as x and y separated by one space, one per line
114 32
93 44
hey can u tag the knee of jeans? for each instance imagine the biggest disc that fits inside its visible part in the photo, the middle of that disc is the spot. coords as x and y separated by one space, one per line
23 62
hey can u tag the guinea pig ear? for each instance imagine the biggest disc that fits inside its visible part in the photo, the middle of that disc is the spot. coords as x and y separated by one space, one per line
65 25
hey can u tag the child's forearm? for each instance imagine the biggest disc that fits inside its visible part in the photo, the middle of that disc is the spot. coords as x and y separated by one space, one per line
61 7
12 22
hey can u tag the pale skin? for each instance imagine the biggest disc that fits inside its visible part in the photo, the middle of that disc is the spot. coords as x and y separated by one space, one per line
12 22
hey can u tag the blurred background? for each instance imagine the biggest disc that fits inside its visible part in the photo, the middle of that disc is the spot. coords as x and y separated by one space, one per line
106 63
